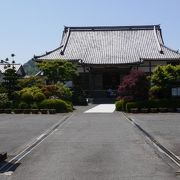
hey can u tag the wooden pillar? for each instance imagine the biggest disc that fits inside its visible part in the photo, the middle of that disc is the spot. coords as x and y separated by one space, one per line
150 68
91 83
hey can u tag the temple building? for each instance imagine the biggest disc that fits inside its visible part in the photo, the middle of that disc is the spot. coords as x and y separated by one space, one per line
105 54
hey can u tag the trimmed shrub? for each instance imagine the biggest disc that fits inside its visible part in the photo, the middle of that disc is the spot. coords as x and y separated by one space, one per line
58 104
31 81
131 105
153 105
156 92
31 90
4 100
120 105
57 91
34 106
38 97
27 97
23 105
66 93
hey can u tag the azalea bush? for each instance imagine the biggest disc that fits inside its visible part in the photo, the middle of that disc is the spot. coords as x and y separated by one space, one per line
134 86
57 91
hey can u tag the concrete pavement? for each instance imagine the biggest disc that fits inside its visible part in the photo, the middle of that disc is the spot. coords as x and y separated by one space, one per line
16 130
93 146
164 127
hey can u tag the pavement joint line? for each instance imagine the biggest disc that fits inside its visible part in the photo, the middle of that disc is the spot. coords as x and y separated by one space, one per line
29 147
157 144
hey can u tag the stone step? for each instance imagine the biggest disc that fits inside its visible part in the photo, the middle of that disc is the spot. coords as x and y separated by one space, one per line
103 100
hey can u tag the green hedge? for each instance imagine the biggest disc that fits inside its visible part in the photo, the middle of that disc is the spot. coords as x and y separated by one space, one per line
58 104
163 103
120 105
131 105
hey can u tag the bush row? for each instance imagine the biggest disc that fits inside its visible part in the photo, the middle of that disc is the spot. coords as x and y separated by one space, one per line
58 104
153 110
164 103
28 111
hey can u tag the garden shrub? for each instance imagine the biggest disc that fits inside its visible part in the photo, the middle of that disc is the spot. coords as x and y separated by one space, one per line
57 91
131 105
27 97
58 104
31 90
158 103
4 101
38 97
66 93
23 105
31 81
135 85
138 104
50 91
34 106
156 92
120 105
2 89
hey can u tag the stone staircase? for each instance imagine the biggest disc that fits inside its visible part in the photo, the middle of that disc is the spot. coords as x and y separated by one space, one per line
102 100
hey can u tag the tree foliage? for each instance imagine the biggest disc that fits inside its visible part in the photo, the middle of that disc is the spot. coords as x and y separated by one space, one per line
58 70
134 86
163 78
10 81
31 81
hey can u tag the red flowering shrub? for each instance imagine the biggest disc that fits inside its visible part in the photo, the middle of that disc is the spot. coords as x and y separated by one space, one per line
134 86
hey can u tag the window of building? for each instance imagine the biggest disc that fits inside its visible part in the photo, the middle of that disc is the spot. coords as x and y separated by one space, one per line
175 91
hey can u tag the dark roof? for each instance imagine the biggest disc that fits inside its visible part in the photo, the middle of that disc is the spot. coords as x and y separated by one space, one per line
112 45
17 67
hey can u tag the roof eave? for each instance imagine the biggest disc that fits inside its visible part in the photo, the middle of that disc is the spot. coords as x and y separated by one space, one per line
161 59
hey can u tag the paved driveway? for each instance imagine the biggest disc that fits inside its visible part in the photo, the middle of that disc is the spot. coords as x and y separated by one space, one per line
165 127
93 146
18 129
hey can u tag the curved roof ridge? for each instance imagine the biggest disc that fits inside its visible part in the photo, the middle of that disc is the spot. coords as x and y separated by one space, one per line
157 41
106 28
175 51
49 52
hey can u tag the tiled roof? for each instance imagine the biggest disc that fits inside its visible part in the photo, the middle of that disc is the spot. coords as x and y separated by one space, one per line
112 45
16 66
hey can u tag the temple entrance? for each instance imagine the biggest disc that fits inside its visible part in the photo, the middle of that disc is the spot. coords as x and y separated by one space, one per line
111 80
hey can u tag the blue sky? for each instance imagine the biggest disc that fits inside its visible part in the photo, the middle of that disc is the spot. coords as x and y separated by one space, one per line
35 26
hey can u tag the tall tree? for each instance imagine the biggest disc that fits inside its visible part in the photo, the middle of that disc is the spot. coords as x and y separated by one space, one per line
58 70
10 81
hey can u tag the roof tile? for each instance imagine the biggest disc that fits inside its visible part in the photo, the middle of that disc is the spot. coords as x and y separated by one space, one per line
112 45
